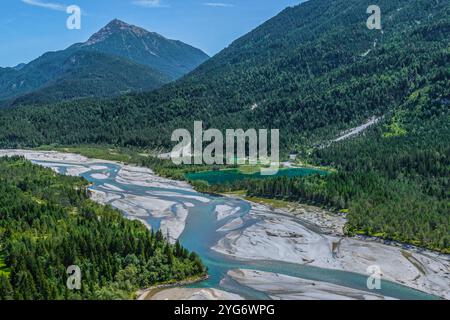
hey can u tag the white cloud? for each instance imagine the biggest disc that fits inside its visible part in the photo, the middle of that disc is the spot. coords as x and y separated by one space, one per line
219 4
150 3
47 5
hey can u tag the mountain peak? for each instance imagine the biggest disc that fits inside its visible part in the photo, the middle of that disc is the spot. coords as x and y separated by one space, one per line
113 27
171 57
117 22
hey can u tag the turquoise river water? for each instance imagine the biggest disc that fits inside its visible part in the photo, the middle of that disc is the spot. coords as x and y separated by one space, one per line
200 234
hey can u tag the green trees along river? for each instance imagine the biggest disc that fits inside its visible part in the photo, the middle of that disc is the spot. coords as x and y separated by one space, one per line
47 223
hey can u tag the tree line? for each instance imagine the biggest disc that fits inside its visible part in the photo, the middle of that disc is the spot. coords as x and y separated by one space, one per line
48 223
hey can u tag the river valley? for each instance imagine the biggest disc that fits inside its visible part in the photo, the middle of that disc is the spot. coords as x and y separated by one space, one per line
251 250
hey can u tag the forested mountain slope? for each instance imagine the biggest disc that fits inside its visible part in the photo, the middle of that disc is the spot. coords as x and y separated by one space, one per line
120 58
307 71
85 74
48 223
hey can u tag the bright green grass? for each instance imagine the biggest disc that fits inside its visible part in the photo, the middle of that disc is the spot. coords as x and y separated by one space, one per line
98 152
274 203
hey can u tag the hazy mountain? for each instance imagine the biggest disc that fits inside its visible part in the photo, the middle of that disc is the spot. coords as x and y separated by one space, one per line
19 66
171 57
312 71
94 74
119 58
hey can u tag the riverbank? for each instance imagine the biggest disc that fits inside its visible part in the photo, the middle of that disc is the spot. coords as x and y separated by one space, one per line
281 236
193 294
149 293
166 169
172 215
304 236
328 222
297 288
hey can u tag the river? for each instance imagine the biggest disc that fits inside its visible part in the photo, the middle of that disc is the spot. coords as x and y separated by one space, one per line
179 210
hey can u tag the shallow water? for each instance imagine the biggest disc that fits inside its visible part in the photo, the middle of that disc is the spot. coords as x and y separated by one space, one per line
200 234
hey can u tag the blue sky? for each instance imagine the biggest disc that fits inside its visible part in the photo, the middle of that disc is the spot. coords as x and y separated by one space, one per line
29 28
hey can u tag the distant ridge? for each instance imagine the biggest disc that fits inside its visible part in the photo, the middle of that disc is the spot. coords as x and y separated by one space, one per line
171 57
118 59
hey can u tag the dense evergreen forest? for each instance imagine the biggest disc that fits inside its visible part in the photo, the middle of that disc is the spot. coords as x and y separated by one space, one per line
87 74
311 71
62 76
47 223
393 181
305 72
395 200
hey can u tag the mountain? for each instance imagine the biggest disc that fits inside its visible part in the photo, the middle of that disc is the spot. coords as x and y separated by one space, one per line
78 74
312 71
94 74
171 57
19 66
117 59
35 232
